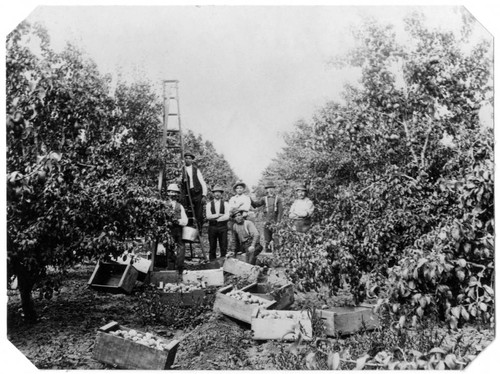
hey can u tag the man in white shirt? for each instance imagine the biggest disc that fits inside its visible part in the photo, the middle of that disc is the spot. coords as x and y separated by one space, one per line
240 202
193 181
217 213
179 220
301 210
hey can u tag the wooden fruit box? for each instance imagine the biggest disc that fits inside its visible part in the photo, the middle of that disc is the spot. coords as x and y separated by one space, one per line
283 295
348 320
281 325
242 269
142 265
211 277
113 277
128 354
238 308
190 298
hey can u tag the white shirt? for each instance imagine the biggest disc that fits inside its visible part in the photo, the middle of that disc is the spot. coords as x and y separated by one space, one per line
189 171
240 202
301 208
210 216
183 221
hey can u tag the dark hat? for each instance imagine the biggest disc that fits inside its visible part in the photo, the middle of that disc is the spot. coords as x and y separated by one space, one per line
190 154
269 185
239 183
301 187
234 213
217 188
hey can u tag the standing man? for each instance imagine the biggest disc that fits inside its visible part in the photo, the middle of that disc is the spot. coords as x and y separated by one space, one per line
178 222
193 182
273 214
301 210
240 202
217 212
246 237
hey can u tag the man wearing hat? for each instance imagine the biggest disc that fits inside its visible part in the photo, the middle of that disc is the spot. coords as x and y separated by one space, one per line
240 201
193 182
273 213
301 210
179 220
217 213
246 237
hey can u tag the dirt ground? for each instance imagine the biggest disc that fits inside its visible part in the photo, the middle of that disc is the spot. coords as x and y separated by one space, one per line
65 334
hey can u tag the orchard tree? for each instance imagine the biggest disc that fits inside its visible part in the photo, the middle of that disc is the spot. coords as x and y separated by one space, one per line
402 177
71 190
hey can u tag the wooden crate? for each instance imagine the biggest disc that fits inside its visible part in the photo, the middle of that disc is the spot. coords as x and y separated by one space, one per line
211 277
190 298
237 308
142 265
284 325
165 276
242 269
283 295
113 277
348 320
128 354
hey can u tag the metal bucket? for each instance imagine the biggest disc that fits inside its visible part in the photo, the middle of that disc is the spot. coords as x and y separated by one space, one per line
189 234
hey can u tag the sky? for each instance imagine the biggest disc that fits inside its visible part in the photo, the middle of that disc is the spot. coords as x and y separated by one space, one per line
247 74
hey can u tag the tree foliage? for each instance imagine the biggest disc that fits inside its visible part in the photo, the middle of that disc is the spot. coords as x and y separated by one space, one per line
80 161
401 174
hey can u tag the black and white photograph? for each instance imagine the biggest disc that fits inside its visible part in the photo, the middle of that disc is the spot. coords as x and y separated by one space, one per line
272 186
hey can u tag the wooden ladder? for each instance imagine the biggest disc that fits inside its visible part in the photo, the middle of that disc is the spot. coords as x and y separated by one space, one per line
171 138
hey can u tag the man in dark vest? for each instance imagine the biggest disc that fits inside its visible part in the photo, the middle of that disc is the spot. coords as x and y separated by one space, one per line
217 212
193 182
273 213
179 221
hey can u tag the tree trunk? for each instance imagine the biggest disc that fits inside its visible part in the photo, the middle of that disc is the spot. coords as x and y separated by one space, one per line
25 284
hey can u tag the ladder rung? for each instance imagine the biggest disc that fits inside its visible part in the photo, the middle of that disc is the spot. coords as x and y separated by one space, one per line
173 114
173 130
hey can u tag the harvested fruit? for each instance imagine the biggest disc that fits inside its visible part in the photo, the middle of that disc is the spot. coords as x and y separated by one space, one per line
146 339
246 297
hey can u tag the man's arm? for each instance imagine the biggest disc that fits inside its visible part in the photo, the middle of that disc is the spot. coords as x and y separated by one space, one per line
225 216
309 208
293 213
202 182
253 232
279 207
183 221
257 203
208 210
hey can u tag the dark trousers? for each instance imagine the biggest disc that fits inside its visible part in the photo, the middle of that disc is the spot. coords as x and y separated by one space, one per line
179 247
197 206
217 233
251 257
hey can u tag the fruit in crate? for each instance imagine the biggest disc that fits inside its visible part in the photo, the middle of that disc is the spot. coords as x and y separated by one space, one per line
146 339
245 297
275 315
181 287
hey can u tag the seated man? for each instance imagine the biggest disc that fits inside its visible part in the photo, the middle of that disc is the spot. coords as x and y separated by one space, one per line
246 237
179 221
